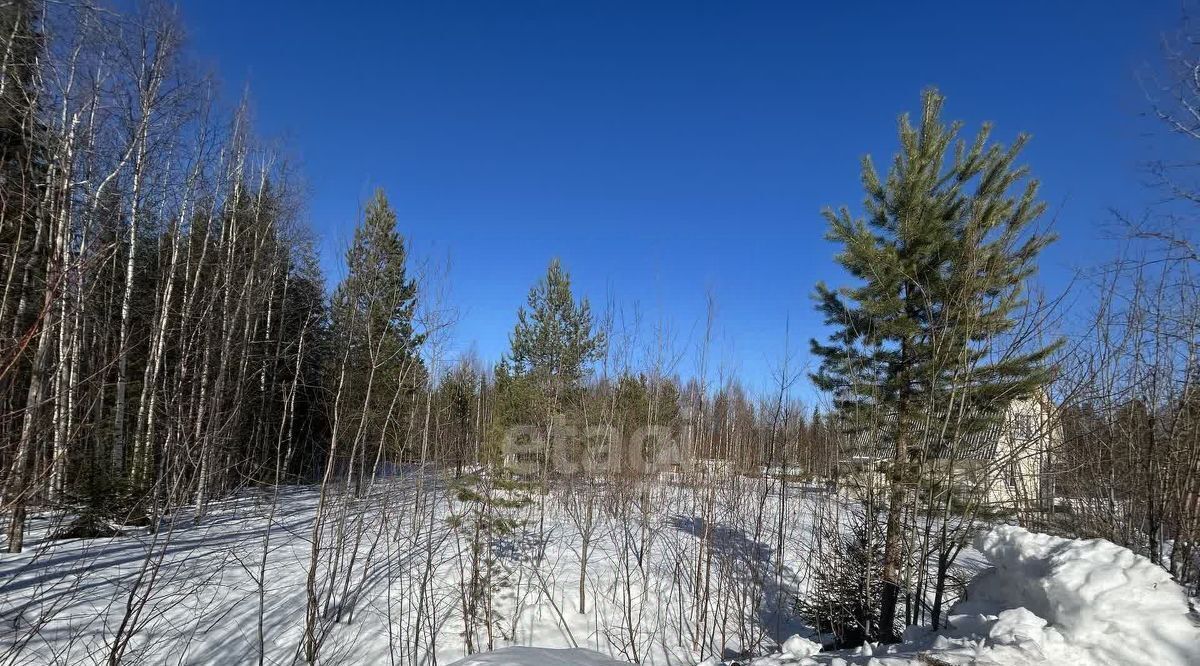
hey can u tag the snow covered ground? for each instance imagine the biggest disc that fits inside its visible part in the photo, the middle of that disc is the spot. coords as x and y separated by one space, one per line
233 588
528 656
205 593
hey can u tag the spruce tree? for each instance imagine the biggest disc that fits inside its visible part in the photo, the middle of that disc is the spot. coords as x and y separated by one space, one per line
458 396
372 320
489 520
847 586
638 403
940 261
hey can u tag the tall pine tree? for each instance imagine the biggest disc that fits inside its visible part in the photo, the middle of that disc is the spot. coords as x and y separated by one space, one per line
940 260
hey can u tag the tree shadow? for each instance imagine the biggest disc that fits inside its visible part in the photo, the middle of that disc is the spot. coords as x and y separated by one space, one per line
753 565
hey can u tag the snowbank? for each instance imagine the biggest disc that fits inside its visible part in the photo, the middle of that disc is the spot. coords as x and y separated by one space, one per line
1089 601
526 656
1046 600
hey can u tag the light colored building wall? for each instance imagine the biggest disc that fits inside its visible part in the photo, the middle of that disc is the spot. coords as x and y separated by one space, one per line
1023 455
1013 480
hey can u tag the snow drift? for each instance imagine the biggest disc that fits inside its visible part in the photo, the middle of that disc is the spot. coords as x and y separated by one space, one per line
1047 600
1090 601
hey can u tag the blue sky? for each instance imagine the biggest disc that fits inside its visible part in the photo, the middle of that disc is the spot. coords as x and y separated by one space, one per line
667 150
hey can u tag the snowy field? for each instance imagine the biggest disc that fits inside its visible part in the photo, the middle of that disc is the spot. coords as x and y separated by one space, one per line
204 593
391 569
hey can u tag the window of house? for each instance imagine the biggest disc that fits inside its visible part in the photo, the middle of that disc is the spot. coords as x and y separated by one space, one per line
1025 426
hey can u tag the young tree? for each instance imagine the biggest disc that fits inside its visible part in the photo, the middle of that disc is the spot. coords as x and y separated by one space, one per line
554 338
847 588
941 259
552 346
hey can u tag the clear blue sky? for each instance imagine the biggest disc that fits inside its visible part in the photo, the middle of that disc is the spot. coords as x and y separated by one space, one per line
663 150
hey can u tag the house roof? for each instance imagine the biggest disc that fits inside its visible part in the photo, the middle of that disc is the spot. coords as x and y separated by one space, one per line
872 439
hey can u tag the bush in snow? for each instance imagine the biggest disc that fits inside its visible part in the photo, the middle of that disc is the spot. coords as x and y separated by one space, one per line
1046 601
847 581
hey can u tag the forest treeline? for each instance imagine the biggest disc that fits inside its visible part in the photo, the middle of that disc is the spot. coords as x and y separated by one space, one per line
167 339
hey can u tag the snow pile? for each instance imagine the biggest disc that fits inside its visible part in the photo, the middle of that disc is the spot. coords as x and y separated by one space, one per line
526 656
1091 601
800 648
796 651
1047 600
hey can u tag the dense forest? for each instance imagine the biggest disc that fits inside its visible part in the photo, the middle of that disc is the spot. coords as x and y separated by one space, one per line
168 343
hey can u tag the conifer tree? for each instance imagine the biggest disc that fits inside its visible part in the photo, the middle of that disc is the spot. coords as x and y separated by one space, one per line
639 403
488 520
372 312
553 343
941 260
23 252
847 586
458 395
554 338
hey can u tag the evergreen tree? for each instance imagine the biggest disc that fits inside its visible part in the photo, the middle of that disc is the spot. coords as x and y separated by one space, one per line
488 519
816 429
847 586
304 331
554 339
459 396
639 403
24 222
553 344
941 260
372 323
